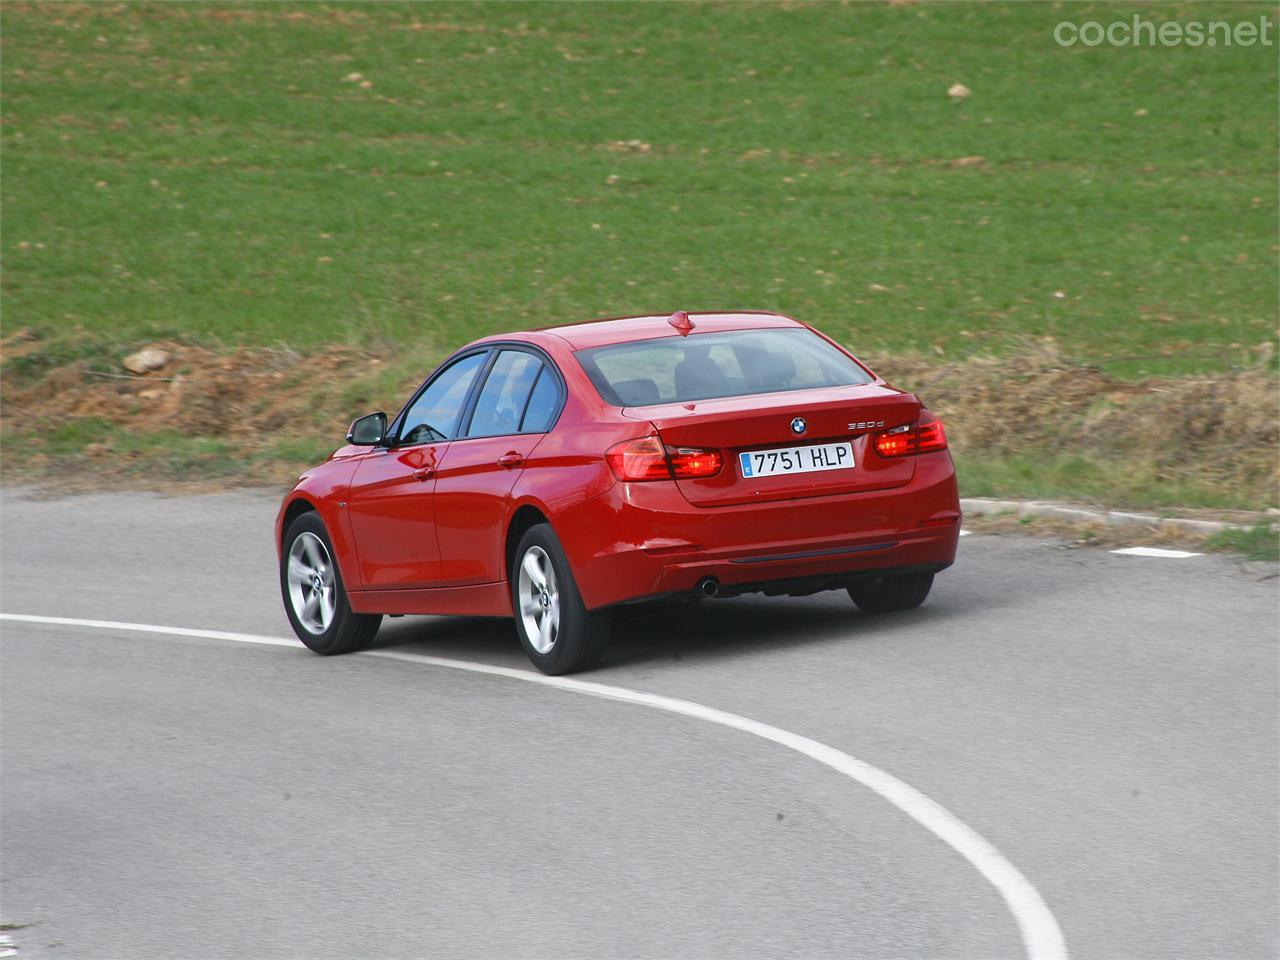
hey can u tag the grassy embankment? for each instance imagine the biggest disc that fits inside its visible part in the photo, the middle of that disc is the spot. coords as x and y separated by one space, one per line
1092 231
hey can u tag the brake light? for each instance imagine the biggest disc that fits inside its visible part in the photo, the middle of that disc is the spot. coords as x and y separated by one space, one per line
923 436
690 463
647 459
897 442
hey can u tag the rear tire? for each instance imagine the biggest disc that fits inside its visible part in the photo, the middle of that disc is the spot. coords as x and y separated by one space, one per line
890 594
315 599
559 634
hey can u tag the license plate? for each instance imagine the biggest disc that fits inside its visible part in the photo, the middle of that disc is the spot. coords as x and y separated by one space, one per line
819 456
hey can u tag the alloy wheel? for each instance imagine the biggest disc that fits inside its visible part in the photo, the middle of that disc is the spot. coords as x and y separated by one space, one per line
312 587
539 597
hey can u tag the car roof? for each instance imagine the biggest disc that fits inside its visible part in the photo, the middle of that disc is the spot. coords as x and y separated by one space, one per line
599 333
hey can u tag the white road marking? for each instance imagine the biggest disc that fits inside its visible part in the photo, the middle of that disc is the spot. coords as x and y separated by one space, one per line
1157 552
1041 935
965 533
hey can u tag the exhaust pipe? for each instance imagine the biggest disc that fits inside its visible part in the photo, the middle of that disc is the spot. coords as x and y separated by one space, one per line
708 586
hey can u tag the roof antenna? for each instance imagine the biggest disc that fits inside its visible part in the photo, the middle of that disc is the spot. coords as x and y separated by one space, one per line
680 320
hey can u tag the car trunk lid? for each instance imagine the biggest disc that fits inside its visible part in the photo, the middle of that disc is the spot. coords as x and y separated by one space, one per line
735 425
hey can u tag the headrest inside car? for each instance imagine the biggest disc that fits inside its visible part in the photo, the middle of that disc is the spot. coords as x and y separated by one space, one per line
770 369
636 393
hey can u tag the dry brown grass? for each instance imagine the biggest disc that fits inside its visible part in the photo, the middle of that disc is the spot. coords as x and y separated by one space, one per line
1219 431
266 407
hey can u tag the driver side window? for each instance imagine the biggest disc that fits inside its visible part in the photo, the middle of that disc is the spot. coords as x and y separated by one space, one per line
434 415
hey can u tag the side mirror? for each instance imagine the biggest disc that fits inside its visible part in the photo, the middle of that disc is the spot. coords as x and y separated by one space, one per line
368 431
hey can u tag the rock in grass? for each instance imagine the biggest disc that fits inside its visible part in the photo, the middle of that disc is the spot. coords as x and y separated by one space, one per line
144 361
958 91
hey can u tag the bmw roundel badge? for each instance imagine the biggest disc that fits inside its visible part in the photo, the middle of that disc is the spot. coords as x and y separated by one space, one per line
798 425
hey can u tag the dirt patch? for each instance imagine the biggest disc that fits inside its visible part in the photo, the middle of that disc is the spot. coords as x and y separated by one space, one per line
234 395
262 414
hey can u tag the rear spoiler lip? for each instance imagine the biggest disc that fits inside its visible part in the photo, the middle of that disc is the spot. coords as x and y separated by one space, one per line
673 411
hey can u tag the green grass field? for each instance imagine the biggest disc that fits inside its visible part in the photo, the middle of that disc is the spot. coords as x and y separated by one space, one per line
411 176
404 178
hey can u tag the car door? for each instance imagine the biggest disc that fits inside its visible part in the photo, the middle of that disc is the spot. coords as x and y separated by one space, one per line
391 503
518 402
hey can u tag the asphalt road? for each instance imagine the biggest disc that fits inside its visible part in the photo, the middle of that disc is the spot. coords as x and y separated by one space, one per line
1109 723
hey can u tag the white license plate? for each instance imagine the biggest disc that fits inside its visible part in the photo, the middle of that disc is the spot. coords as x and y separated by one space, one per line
819 456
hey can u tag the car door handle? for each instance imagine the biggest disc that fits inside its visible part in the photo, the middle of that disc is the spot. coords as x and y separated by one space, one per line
511 459
425 473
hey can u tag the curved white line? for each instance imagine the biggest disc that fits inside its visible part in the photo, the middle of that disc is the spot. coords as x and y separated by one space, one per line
1040 931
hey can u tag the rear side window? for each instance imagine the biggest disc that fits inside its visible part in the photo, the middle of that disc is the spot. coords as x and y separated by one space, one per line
506 391
703 366
544 402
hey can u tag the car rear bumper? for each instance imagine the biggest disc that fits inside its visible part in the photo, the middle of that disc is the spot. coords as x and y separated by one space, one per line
643 540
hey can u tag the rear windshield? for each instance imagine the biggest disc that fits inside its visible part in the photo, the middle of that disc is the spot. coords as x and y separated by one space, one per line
706 365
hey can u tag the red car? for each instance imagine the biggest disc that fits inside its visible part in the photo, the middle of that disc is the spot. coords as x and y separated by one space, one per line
558 474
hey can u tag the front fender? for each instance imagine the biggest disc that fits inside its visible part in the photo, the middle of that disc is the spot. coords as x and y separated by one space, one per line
324 490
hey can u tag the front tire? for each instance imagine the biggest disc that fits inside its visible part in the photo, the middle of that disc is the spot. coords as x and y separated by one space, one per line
559 634
890 594
315 599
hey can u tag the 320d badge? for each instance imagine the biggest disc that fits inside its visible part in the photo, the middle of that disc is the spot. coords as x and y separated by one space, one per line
555 475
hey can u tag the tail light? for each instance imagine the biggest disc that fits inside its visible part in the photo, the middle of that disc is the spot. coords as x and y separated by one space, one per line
931 435
642 459
647 459
923 436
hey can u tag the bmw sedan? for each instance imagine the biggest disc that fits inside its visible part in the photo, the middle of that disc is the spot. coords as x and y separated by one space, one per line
557 475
